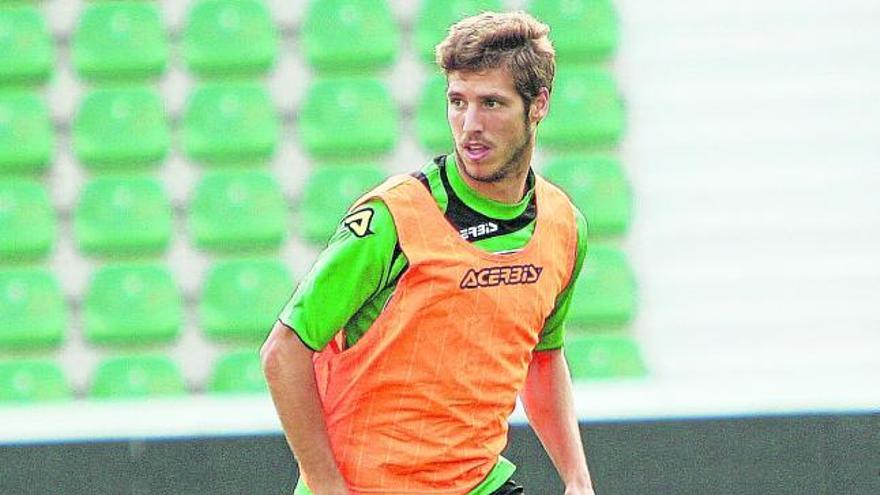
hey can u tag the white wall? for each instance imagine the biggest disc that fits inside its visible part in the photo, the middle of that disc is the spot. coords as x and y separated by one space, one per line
754 149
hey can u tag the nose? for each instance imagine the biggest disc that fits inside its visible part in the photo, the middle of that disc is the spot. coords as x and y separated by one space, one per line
472 121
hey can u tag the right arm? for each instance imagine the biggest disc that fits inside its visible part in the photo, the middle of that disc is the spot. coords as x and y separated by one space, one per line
346 274
287 364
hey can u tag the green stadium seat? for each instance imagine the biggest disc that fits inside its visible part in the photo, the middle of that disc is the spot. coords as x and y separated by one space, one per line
32 380
230 37
27 220
137 376
27 51
120 41
432 126
121 128
238 210
230 123
597 186
27 139
345 36
435 16
329 192
241 298
345 117
123 216
605 291
586 112
132 304
33 314
583 31
238 372
604 356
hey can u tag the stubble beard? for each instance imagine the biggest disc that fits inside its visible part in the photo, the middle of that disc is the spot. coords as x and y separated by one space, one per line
512 165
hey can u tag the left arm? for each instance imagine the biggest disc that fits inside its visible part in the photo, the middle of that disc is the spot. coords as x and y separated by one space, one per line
548 403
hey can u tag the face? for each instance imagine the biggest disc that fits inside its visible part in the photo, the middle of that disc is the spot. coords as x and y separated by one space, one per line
493 130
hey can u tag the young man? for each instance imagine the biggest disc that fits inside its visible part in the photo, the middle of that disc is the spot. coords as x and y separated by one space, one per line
450 287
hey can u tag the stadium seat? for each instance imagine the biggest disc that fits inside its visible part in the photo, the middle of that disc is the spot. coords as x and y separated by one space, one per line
604 356
230 123
33 314
241 298
123 216
435 16
329 191
121 129
132 304
348 117
238 372
120 41
238 210
587 111
605 291
583 31
27 138
346 36
432 127
137 376
597 186
26 45
32 380
27 220
229 37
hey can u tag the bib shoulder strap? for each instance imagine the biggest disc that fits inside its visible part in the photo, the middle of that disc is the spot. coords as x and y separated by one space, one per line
557 212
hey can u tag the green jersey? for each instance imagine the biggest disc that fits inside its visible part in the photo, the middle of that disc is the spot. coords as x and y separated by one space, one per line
355 276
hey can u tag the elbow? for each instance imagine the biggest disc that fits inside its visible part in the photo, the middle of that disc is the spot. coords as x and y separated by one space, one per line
271 359
283 354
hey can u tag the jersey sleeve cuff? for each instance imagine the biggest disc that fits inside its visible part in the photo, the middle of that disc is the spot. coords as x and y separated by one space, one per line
293 329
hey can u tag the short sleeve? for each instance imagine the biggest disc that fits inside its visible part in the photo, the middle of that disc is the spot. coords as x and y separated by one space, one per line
345 275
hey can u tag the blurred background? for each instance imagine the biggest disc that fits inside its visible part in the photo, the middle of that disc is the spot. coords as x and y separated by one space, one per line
170 169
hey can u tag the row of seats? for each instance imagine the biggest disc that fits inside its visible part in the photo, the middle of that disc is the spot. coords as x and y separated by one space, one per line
604 356
127 376
140 303
129 40
246 210
121 125
590 357
237 122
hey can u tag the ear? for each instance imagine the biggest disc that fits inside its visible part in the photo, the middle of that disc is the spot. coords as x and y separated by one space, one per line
540 106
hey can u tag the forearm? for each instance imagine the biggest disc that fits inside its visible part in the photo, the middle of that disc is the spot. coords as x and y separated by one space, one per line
549 405
287 364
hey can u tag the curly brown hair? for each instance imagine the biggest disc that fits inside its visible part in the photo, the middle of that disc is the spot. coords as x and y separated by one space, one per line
513 40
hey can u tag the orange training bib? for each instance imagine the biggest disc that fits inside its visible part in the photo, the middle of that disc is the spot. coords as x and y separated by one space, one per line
420 404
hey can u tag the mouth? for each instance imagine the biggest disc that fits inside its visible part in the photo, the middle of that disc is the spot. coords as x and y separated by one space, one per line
476 151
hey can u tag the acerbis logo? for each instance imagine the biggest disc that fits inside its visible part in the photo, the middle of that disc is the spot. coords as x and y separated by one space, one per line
478 230
501 275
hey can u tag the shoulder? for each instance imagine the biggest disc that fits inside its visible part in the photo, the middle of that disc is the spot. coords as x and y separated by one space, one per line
580 220
551 189
371 216
556 195
370 220
583 232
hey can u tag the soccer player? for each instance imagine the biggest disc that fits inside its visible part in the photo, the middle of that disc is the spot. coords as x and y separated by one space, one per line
441 297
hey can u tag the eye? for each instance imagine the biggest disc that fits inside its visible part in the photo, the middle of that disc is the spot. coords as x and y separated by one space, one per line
492 103
456 102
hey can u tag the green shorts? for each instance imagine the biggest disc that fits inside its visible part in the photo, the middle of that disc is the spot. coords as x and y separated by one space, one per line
499 475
